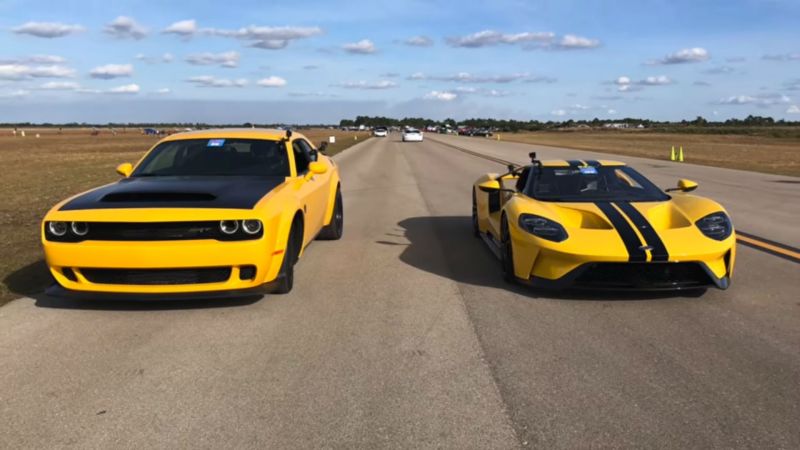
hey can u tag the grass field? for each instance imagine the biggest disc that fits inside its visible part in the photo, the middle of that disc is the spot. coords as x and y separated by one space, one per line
756 153
40 172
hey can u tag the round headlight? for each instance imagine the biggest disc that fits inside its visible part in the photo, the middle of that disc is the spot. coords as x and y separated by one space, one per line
251 226
229 226
57 228
80 228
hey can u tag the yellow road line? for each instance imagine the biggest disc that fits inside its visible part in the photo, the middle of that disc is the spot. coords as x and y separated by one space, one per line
768 246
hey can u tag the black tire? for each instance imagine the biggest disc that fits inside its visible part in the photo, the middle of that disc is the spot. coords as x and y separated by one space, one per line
285 281
334 230
507 253
475 228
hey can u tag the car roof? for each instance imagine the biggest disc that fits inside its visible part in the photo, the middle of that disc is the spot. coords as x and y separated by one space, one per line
581 162
242 133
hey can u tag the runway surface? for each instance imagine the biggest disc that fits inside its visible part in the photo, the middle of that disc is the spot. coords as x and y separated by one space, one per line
403 334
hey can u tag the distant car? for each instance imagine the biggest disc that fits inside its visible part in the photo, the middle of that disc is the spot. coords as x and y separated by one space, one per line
483 132
380 132
412 135
205 214
602 225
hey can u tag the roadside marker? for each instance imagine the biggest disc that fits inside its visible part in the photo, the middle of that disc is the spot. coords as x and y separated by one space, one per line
672 154
680 155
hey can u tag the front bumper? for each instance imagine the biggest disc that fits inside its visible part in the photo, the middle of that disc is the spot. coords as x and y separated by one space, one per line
652 276
113 267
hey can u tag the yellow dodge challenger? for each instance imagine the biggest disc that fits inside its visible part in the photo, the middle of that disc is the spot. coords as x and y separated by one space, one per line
203 214
601 225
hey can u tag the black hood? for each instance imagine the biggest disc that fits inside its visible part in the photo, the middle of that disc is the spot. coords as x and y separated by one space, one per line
177 192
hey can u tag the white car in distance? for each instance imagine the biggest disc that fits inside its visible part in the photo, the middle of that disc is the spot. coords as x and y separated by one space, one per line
412 135
380 132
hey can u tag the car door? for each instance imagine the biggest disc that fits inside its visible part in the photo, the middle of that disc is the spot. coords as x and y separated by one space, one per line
314 191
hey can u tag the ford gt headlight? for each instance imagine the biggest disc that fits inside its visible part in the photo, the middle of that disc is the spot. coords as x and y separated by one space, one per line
543 228
716 226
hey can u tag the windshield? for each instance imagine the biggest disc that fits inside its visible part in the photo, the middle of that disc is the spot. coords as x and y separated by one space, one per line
216 157
591 184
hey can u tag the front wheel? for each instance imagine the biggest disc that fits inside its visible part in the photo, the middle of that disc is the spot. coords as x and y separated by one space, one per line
475 228
333 231
285 281
507 253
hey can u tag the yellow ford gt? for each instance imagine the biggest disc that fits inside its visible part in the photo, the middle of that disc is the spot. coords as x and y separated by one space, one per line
203 214
601 225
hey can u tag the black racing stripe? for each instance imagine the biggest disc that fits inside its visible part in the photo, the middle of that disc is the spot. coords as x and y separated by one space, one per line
593 162
659 251
625 231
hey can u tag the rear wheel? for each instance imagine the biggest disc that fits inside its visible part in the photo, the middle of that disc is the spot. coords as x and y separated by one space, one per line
475 229
285 281
333 231
507 253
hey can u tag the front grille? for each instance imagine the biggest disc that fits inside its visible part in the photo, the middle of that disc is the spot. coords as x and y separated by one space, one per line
157 276
643 276
152 231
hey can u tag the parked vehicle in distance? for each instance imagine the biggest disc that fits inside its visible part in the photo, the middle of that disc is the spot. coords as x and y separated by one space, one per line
412 135
205 214
602 225
380 132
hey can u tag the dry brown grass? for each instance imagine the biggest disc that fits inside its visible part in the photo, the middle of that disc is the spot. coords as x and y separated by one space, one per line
755 153
38 173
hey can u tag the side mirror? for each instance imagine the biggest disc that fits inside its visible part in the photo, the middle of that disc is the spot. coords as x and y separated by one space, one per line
489 186
316 168
125 169
322 146
684 185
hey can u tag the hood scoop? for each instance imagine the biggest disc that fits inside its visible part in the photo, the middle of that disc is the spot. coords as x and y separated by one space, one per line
157 197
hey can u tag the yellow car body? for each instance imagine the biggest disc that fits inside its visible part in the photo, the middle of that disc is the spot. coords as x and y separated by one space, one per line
157 236
610 244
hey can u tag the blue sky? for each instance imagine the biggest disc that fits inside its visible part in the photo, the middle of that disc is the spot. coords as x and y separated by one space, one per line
310 61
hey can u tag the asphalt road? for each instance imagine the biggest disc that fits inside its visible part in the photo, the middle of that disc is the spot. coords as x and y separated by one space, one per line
402 334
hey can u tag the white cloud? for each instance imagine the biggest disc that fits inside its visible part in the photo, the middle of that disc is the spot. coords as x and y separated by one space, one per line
45 59
60 86
382 84
125 89
269 38
183 28
362 47
17 72
720 70
686 55
558 112
626 84
659 80
573 42
762 100
271 44
793 109
271 81
163 91
419 41
110 71
167 57
444 96
225 59
15 94
782 57
124 27
466 77
487 38
612 111
47 29
210 81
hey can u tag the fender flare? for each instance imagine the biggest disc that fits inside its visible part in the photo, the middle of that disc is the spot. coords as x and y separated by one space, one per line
335 185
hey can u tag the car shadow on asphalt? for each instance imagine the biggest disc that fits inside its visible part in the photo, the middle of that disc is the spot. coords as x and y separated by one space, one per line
467 260
32 280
